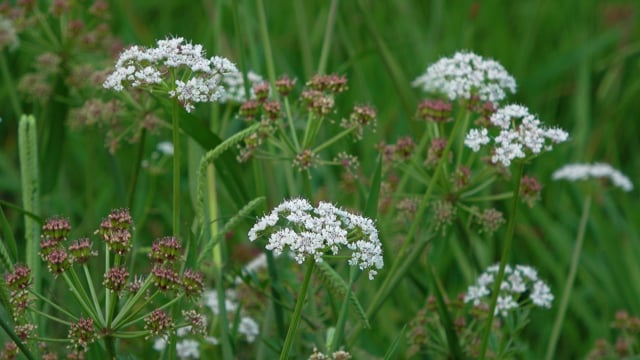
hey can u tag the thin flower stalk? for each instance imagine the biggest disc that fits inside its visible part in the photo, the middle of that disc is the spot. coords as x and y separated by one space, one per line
506 249
571 277
176 169
391 280
297 312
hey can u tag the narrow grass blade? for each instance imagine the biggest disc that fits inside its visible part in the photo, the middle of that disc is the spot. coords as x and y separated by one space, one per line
394 345
371 209
452 337
10 241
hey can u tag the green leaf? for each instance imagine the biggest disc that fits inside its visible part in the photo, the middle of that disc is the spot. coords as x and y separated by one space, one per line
8 257
54 135
394 345
371 210
452 337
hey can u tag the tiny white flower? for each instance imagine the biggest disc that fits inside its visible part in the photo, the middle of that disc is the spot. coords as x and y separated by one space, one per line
249 328
235 89
183 331
165 148
504 304
210 299
159 344
188 349
466 75
541 294
520 134
476 138
573 172
518 281
211 340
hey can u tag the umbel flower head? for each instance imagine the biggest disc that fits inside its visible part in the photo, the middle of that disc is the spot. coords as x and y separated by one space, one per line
520 287
466 76
174 66
312 231
574 172
521 134
234 87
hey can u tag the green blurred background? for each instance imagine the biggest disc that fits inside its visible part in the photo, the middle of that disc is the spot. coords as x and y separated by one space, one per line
577 64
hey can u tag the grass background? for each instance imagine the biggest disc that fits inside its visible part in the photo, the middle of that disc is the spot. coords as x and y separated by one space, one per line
577 64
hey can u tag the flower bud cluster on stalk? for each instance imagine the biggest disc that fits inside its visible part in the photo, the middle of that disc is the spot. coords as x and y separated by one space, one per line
122 305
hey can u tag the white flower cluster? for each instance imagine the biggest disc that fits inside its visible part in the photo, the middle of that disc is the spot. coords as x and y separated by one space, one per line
573 172
519 281
515 137
189 348
466 75
199 81
234 87
247 326
313 231
185 348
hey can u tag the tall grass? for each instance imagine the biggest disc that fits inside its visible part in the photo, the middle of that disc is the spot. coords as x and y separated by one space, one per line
577 67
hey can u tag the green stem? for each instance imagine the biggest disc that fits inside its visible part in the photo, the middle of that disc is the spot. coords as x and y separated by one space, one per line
7 329
333 140
264 33
503 260
297 312
126 321
107 292
413 230
292 128
78 297
51 317
328 32
164 306
342 318
218 262
136 169
132 301
54 305
176 170
240 48
83 293
94 296
571 277
487 198
307 130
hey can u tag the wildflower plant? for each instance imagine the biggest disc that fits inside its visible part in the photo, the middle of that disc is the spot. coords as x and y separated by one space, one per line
466 110
625 341
284 162
579 172
310 232
281 123
121 305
